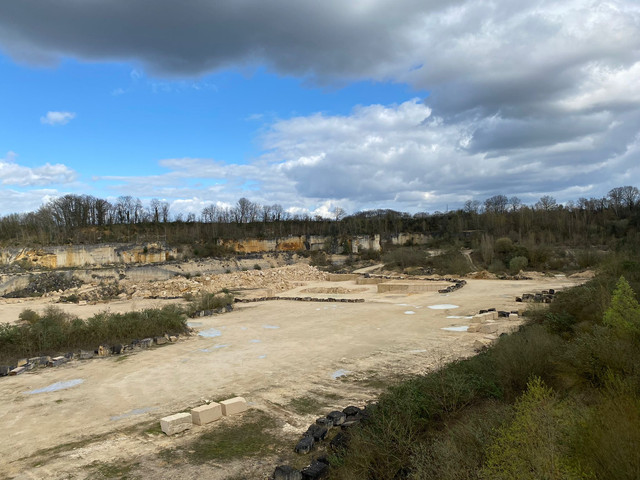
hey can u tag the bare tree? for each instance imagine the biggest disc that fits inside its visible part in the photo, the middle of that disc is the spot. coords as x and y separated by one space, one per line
339 213
496 204
515 203
546 203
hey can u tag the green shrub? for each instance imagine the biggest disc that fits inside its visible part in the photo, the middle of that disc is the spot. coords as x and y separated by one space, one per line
518 263
530 446
518 357
404 257
605 441
208 301
624 312
55 331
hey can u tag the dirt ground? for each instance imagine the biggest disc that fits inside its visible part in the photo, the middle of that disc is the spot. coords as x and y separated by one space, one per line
271 353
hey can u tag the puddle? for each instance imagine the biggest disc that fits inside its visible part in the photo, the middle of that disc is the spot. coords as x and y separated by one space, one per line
214 347
339 373
194 324
270 327
409 312
255 340
458 317
262 356
443 306
462 328
210 333
131 413
417 351
54 387
243 328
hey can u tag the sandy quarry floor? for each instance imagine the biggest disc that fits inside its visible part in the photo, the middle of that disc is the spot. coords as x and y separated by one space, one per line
268 352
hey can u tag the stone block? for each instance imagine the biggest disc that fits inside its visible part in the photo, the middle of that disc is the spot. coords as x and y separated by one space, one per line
316 469
318 432
285 472
325 422
233 406
337 417
22 362
513 316
18 370
473 328
176 423
4 370
102 351
85 355
55 361
206 413
488 328
304 446
494 315
477 318
351 410
160 340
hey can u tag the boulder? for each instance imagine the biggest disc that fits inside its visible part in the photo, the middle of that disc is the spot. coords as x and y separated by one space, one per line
351 410
4 370
305 445
318 432
337 417
324 422
315 470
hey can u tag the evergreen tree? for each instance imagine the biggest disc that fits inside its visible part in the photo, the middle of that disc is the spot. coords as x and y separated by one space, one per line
624 311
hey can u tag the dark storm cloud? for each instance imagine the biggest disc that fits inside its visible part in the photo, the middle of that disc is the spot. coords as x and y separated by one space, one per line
526 97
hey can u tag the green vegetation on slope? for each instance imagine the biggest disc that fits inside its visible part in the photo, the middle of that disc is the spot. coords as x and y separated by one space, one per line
559 399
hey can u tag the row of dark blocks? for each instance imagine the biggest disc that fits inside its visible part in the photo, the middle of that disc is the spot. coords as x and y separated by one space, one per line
501 313
452 288
300 299
316 434
27 364
546 296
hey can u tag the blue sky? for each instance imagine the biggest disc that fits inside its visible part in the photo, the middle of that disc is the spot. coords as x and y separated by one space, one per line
415 106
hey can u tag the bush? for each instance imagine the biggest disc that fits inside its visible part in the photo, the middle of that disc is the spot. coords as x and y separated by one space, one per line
530 446
404 257
518 263
56 331
208 301
518 357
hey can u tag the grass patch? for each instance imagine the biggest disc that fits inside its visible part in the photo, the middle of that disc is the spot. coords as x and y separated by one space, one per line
229 442
207 301
120 470
305 405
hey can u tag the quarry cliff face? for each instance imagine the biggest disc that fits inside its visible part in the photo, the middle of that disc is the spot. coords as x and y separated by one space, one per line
71 256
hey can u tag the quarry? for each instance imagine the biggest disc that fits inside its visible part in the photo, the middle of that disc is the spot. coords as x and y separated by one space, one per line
295 335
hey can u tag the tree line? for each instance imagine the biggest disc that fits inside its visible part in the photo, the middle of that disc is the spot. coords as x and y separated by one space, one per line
88 219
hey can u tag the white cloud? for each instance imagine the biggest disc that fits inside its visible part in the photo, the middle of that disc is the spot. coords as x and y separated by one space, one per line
11 173
57 118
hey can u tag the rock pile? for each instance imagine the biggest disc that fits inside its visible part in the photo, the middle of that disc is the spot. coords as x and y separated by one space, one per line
276 279
324 428
546 296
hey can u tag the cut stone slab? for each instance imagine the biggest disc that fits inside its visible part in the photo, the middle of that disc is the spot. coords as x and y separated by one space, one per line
513 316
160 340
176 423
233 406
17 371
22 362
206 413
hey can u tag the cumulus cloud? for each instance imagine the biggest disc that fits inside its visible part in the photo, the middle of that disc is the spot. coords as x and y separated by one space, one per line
12 173
524 97
57 118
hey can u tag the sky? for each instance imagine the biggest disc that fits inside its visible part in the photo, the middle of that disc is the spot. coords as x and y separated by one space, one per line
413 105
